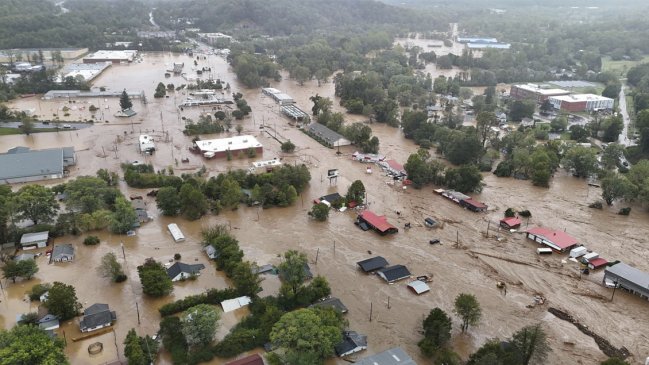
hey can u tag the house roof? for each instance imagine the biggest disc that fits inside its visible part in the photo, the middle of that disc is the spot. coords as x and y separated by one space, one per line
263 269
97 319
351 340
24 256
395 272
95 308
559 238
28 238
18 164
598 262
630 273
511 221
378 221
393 356
64 249
394 165
179 267
254 359
331 197
233 304
234 143
325 133
475 203
334 303
373 263
418 286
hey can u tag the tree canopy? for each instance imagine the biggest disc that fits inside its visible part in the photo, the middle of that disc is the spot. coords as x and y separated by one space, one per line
62 301
154 278
29 344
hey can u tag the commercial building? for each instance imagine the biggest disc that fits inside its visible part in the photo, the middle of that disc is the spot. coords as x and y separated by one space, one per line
278 96
628 278
295 113
219 148
476 40
71 94
20 164
378 222
538 93
325 135
556 240
114 56
581 102
86 71
488 45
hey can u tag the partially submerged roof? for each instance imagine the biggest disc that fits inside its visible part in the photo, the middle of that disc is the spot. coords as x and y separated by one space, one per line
179 267
418 286
511 221
331 197
630 273
558 238
334 303
28 238
393 356
254 359
63 249
97 319
352 342
374 263
377 221
394 273
325 133
236 303
21 163
24 256
95 308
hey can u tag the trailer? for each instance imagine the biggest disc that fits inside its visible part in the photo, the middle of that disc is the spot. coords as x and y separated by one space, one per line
544 251
177 235
578 251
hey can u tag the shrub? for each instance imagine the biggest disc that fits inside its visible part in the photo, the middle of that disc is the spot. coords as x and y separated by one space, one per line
596 205
91 241
211 296
177 256
625 211
510 212
525 213
38 290
288 147
120 278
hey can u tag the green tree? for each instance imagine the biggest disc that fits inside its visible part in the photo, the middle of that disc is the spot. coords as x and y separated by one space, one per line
125 101
124 217
199 324
62 301
193 204
301 74
356 192
245 279
437 332
521 109
288 147
531 345
27 126
615 186
466 306
37 203
541 168
111 268
24 269
133 350
492 353
612 90
230 195
168 201
465 179
320 212
484 122
154 279
291 270
579 134
559 124
581 160
612 155
160 91
10 270
30 345
308 331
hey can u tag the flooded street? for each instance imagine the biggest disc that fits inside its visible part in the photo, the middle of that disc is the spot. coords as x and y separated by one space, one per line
474 267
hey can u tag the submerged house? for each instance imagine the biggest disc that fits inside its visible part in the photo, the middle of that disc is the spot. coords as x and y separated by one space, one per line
34 240
62 253
393 356
372 264
97 316
394 273
378 222
353 342
330 302
556 240
628 278
180 271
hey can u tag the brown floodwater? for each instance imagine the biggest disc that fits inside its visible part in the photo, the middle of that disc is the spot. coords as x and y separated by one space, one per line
338 244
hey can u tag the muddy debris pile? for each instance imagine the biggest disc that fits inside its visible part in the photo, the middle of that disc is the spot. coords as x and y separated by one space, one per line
607 348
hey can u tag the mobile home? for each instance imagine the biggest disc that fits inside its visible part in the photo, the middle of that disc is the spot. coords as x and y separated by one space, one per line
176 233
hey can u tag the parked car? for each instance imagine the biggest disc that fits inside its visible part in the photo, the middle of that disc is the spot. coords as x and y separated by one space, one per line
67 126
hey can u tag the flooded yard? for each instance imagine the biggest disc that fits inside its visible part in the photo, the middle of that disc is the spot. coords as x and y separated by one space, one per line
474 266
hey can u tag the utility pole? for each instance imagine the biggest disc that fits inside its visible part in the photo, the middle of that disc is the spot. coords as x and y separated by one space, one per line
316 255
370 311
615 287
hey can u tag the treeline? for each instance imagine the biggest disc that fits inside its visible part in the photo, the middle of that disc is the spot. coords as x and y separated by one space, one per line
39 82
193 196
40 23
422 169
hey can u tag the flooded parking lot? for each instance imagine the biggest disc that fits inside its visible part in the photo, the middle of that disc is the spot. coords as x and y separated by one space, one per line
474 266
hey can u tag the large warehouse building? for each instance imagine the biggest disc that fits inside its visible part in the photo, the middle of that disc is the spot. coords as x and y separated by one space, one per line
20 164
581 102
535 92
217 148
125 56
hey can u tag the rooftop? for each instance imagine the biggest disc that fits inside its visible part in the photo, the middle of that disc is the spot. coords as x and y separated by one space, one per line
418 286
393 356
126 55
373 263
394 273
581 97
34 237
223 144
630 273
559 238
19 163
334 303
539 89
325 133
377 221
179 267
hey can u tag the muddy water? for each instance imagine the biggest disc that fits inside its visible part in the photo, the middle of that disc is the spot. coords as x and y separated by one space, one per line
264 234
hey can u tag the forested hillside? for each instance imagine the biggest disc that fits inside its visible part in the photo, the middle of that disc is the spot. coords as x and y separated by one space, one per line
40 23
283 17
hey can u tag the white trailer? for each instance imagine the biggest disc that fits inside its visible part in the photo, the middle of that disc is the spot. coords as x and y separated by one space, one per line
175 232
578 251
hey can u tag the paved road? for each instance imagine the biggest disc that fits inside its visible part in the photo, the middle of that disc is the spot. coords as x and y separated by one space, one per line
624 136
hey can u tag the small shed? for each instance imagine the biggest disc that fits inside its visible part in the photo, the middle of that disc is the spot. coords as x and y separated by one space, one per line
418 287
372 264
330 302
394 273
62 253
578 251
510 222
597 263
38 239
24 256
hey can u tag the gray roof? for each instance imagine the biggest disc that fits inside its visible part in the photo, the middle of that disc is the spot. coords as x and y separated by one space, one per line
96 319
352 340
373 263
95 308
24 256
630 273
334 303
211 252
61 250
18 162
325 133
394 356
394 273
180 267
28 238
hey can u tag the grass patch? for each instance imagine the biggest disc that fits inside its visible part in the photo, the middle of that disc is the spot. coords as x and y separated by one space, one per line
621 67
4 131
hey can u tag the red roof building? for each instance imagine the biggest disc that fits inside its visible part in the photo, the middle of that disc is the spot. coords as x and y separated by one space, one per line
597 263
248 360
556 240
473 205
395 167
378 222
510 222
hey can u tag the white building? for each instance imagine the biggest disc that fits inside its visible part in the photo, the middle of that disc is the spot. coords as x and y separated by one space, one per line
146 143
111 56
176 233
581 102
237 144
